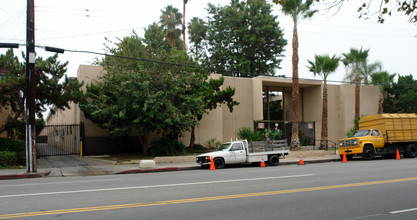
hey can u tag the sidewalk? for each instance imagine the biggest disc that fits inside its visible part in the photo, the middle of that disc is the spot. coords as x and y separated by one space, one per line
87 166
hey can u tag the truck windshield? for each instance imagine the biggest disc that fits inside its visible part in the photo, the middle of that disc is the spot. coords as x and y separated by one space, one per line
362 133
224 147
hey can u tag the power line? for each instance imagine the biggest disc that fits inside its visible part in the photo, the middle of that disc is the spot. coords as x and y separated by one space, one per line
90 34
13 18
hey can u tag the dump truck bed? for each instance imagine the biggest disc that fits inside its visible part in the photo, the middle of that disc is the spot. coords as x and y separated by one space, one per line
394 127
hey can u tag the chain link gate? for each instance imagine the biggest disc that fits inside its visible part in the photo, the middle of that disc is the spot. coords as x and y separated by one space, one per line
60 140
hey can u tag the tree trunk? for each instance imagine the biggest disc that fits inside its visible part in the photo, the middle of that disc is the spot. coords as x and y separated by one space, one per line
184 46
192 138
381 101
295 142
323 141
357 94
144 141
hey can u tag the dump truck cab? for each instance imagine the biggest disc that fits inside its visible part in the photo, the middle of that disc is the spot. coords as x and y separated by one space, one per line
364 142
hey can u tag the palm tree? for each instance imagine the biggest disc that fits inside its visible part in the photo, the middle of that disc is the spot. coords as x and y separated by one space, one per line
354 60
184 46
297 10
324 66
365 72
382 79
169 20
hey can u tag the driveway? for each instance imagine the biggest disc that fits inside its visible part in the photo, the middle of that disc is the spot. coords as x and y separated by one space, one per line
72 166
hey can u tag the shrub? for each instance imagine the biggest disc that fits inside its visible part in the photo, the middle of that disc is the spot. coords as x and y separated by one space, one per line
167 147
8 158
249 134
355 128
7 144
198 148
213 144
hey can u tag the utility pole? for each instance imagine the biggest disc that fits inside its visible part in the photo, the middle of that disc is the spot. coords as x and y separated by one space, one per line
30 88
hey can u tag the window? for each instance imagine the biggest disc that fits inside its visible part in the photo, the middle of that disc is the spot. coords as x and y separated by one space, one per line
236 147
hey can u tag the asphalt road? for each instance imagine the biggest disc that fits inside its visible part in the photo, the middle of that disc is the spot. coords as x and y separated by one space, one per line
378 189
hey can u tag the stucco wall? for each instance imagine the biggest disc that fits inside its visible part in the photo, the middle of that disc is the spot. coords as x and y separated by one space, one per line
341 108
222 125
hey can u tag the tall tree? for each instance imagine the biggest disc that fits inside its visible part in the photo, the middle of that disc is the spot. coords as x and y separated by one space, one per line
144 98
354 60
197 31
170 20
184 46
53 87
383 80
244 39
154 37
365 72
149 98
324 66
401 97
297 10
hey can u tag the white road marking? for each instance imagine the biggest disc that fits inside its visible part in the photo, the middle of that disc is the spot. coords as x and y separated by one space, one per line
152 186
66 182
402 211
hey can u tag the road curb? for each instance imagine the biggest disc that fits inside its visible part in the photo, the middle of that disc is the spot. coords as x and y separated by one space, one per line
148 170
23 176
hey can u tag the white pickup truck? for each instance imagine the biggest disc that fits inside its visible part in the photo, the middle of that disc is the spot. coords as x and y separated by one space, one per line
240 151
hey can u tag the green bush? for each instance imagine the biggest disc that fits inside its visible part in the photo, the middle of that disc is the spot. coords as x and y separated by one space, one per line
198 148
167 147
7 144
249 134
8 158
213 144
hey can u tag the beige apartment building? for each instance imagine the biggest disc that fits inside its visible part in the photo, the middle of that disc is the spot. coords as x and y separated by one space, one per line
223 125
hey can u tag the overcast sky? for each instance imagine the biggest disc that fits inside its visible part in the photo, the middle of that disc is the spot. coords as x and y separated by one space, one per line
83 25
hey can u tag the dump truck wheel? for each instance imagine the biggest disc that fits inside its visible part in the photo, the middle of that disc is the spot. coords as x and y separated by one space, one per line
219 163
273 160
411 151
368 153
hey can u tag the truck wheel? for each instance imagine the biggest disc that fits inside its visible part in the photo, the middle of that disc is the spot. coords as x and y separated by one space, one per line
218 163
368 153
411 151
273 160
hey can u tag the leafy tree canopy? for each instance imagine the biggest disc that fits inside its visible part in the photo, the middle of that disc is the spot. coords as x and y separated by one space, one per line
148 98
53 87
242 38
401 96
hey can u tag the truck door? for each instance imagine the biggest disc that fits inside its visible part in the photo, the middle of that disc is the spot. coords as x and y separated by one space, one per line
378 139
237 153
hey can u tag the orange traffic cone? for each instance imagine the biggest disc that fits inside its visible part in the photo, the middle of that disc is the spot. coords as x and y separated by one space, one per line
212 167
301 162
344 158
397 157
262 161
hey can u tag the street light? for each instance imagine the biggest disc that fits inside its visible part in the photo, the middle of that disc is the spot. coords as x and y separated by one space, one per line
9 45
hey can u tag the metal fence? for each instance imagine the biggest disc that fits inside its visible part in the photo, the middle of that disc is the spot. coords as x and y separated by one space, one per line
59 140
306 130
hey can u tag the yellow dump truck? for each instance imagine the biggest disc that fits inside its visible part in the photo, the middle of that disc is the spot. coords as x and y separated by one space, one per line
382 134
